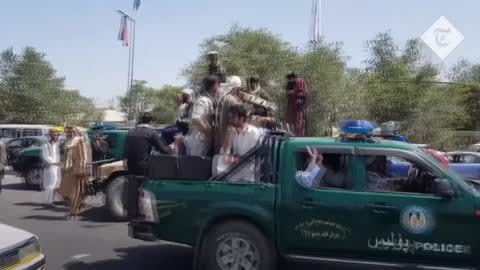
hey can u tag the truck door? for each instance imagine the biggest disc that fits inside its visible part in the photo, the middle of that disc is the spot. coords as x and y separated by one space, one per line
317 220
401 218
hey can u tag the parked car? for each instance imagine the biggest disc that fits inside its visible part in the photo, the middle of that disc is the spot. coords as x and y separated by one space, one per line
465 170
465 163
474 147
465 157
256 224
20 250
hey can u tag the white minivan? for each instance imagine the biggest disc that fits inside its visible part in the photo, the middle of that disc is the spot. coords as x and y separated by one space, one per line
19 250
9 132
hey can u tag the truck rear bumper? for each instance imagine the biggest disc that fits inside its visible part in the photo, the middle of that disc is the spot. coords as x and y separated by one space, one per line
141 230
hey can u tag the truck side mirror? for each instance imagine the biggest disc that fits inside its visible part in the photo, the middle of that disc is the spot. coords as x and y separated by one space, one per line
442 188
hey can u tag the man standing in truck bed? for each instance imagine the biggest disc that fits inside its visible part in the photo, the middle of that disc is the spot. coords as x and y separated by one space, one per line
138 145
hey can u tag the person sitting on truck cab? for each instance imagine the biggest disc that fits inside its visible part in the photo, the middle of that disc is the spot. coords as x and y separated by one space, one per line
334 174
314 170
241 137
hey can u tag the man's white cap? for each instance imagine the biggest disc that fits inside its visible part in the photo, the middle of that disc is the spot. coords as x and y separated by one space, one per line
188 91
231 82
234 81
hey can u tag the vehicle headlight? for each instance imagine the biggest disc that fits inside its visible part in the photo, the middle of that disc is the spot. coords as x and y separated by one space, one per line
32 249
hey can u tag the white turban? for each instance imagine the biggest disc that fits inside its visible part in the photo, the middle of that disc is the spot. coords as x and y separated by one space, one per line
234 81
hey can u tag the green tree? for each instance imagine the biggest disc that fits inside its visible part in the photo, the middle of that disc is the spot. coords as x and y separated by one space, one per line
468 73
388 67
164 109
324 68
30 89
161 102
404 87
246 52
139 99
32 93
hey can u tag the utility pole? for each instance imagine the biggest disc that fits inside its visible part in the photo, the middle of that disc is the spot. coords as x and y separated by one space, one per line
131 64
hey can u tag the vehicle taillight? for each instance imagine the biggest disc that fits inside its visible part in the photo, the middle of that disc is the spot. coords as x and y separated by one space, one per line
147 206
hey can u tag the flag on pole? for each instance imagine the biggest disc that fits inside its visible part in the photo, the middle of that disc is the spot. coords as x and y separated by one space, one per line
136 4
316 27
123 33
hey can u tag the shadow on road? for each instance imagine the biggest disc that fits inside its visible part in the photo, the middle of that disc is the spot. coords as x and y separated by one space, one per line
57 209
88 226
15 186
164 256
41 217
96 214
36 204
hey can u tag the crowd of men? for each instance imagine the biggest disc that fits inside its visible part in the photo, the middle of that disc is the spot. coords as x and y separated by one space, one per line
217 120
221 121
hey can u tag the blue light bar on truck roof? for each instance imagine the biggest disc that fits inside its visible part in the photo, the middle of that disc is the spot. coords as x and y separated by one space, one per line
356 130
104 126
362 127
399 138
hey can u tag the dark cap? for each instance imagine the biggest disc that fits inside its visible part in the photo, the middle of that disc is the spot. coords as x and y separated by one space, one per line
254 78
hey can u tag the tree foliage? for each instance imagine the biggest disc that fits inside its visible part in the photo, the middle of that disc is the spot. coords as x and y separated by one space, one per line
398 83
246 52
32 93
161 102
466 72
139 99
401 88
164 109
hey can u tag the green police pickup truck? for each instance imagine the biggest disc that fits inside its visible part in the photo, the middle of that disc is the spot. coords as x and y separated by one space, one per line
378 213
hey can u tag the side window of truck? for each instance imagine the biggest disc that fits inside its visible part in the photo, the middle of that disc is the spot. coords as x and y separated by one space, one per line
318 168
111 140
396 173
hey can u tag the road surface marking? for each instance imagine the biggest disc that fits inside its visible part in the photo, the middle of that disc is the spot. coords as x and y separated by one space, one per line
79 256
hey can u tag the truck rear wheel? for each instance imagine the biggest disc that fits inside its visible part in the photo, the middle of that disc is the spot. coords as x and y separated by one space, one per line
33 179
116 198
237 245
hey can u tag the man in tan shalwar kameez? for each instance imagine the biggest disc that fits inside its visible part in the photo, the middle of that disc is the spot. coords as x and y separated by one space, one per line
74 179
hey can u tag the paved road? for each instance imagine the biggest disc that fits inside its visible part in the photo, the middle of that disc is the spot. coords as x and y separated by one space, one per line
93 241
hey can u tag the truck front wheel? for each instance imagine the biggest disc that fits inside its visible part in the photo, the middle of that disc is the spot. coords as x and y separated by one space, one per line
116 198
237 245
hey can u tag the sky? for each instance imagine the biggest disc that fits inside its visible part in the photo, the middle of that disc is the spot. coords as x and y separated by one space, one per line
79 37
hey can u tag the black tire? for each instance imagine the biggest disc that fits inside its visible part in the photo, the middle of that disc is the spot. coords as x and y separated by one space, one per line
33 179
261 255
116 198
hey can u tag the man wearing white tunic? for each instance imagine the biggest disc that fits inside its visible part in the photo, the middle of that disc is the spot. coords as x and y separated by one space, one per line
52 171
241 138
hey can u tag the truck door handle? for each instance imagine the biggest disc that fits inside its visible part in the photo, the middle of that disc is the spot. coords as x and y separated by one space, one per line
310 203
381 208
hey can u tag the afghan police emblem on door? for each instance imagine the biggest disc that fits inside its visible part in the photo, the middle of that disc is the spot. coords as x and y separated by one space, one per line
417 220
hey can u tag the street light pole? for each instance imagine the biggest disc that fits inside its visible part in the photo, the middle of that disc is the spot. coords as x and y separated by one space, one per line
131 63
